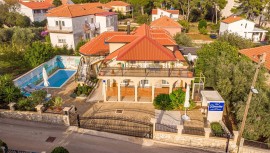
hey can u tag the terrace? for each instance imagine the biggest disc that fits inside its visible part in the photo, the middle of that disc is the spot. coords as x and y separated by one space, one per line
146 72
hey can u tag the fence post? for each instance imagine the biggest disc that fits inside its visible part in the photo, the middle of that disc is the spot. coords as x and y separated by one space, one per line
12 106
207 132
153 121
39 108
78 121
236 134
180 129
66 115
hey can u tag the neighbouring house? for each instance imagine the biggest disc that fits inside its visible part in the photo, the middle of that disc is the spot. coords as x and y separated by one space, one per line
254 54
134 66
120 6
189 52
168 24
36 10
158 13
243 28
68 24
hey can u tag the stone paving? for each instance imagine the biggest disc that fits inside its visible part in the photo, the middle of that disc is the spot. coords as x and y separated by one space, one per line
65 93
135 111
196 118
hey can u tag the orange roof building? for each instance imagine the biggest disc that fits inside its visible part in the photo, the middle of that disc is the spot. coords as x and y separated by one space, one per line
143 44
120 6
158 13
168 24
254 54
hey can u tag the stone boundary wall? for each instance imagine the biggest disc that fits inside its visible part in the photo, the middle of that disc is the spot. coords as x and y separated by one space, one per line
247 149
58 119
194 141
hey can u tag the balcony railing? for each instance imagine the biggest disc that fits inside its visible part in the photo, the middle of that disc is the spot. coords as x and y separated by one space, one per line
60 29
145 72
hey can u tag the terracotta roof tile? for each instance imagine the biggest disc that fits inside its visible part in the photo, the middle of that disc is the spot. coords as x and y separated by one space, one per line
179 56
165 22
155 11
232 19
165 41
117 3
112 55
97 46
74 10
253 54
145 49
121 38
37 5
106 14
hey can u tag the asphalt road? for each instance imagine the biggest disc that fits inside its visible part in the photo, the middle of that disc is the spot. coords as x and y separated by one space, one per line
32 136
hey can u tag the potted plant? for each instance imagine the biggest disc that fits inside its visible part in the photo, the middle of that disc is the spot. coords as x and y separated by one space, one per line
190 74
119 64
58 102
172 65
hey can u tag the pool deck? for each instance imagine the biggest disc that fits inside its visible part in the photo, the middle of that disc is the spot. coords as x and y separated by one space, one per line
65 93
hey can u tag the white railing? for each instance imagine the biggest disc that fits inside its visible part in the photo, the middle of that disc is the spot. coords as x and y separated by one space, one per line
58 28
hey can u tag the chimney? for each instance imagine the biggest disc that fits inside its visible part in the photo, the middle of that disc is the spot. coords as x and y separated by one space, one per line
128 28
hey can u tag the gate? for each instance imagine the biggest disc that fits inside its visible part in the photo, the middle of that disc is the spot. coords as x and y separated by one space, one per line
118 125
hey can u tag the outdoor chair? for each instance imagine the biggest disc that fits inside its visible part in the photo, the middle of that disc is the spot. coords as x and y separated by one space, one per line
35 87
28 89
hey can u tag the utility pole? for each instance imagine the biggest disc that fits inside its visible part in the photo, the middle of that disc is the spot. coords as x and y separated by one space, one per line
261 61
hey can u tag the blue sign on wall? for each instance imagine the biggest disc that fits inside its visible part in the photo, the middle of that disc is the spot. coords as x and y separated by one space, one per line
216 106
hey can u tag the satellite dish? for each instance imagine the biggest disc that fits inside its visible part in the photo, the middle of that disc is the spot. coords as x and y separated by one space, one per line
189 57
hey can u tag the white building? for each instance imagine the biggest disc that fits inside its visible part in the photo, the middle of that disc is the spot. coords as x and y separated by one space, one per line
157 13
120 6
68 24
36 9
243 28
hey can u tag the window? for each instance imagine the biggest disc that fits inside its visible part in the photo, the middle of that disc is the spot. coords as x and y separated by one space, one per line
87 36
63 23
164 82
56 23
154 18
92 20
37 11
170 15
156 62
61 40
246 25
144 82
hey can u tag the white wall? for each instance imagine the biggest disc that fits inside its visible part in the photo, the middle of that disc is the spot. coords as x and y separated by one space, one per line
242 28
26 11
164 13
107 27
69 38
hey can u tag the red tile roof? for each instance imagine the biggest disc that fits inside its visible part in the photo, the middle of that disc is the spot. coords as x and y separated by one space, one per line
37 5
254 53
117 3
155 11
165 22
143 44
232 19
106 14
97 46
179 56
74 10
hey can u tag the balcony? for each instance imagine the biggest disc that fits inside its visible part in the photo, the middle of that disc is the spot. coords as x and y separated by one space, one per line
59 29
145 72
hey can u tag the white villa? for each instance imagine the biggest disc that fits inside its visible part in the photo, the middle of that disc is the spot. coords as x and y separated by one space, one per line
36 10
158 13
135 66
243 28
68 24
120 6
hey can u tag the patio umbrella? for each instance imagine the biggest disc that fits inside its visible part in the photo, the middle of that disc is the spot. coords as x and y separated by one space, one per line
45 78
186 104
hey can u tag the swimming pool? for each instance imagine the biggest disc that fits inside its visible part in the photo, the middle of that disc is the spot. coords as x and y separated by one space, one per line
59 78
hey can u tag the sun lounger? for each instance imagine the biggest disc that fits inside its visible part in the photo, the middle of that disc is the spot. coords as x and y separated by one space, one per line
28 89
32 86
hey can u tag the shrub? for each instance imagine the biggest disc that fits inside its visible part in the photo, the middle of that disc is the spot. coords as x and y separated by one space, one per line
202 23
39 96
216 128
163 102
79 45
183 40
178 98
26 104
236 40
58 102
185 25
82 90
141 19
203 31
60 150
3 144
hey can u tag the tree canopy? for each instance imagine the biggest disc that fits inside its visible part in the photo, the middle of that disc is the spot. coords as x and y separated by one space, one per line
231 75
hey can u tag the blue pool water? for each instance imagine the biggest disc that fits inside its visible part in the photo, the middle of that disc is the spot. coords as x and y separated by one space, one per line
59 78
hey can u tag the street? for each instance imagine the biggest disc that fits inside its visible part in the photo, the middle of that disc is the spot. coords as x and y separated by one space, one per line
32 136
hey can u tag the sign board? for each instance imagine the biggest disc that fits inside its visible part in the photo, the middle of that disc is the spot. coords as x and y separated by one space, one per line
216 106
